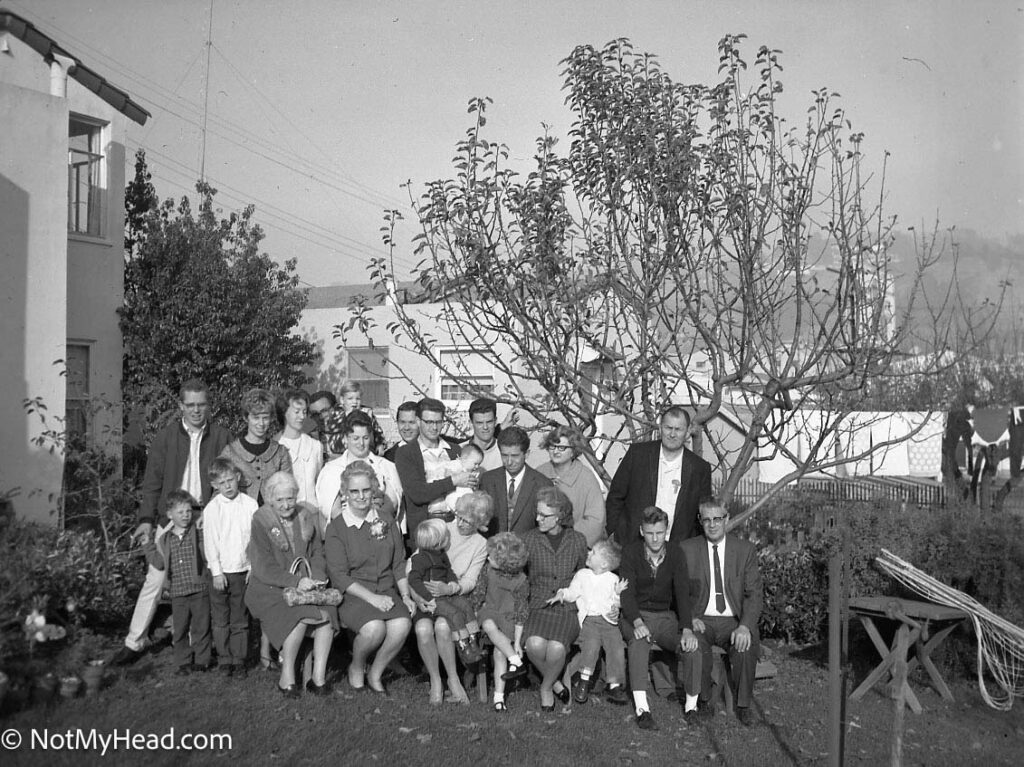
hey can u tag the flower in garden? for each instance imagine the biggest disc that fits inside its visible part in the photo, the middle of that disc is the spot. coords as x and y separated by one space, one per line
35 619
71 605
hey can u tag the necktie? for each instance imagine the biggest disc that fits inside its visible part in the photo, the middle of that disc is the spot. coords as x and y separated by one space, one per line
511 500
719 589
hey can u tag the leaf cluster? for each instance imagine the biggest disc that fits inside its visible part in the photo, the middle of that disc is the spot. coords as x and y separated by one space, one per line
202 301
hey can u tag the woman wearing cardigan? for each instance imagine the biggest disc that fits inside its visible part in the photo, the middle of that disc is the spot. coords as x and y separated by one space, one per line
574 478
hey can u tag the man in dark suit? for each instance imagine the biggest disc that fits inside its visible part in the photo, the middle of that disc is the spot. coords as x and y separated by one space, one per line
412 459
514 486
726 599
663 474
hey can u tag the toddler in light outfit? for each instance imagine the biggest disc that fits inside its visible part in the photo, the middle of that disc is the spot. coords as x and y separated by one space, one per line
470 458
595 589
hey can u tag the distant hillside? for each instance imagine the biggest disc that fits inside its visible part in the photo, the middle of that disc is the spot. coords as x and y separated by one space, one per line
982 266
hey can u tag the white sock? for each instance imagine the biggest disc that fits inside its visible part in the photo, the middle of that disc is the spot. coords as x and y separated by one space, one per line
499 697
691 703
640 702
515 661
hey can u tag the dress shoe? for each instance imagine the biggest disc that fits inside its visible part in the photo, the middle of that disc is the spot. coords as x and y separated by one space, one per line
185 669
291 691
616 695
562 695
514 672
125 656
581 691
320 690
226 670
547 708
645 721
745 715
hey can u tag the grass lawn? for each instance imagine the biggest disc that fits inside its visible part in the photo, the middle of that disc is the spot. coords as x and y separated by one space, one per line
358 728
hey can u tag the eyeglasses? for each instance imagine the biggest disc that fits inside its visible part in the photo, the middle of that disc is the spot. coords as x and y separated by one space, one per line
558 448
713 520
425 422
465 520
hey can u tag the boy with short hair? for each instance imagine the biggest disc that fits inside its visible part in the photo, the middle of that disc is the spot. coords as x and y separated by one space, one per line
227 526
595 589
180 554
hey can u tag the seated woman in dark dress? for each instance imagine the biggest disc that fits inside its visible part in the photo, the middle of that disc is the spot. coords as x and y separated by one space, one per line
556 552
366 561
281 532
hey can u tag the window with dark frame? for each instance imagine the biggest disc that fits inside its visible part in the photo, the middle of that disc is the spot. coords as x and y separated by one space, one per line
369 367
85 177
76 402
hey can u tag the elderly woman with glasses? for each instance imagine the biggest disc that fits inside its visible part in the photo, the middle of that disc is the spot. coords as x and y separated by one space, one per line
574 478
282 531
366 561
556 552
467 553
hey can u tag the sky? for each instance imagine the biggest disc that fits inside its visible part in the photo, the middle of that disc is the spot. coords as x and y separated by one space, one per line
320 110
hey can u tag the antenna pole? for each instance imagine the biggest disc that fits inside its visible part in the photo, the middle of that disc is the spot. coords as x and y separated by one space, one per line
206 94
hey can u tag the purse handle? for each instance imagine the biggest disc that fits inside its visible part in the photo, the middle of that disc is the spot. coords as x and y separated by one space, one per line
294 569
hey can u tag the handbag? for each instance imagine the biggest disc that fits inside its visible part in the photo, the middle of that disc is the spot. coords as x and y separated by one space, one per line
321 595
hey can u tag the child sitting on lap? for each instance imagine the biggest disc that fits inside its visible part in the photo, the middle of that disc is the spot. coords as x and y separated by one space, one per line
470 458
595 589
501 597
431 563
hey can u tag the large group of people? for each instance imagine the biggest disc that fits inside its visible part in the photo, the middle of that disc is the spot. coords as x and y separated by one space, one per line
312 525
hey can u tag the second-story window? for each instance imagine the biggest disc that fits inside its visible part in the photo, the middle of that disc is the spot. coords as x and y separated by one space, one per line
85 177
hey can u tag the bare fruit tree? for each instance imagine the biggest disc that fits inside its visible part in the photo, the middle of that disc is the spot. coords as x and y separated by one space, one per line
693 246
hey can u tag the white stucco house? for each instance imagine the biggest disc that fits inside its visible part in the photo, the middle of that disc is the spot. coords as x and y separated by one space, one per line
62 176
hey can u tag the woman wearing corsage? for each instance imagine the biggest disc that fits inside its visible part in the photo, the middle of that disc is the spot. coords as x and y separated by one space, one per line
366 561
281 533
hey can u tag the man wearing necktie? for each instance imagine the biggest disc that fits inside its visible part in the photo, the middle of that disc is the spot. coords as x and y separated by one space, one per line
726 598
514 486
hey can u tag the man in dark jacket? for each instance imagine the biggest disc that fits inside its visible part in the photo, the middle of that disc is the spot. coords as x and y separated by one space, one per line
660 473
179 459
655 605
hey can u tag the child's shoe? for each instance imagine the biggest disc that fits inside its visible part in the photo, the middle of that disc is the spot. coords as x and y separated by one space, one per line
581 691
514 672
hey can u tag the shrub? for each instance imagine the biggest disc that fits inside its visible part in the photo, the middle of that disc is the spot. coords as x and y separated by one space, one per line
39 564
795 593
981 555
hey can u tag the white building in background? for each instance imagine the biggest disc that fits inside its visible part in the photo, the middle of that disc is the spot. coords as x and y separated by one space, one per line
62 177
382 369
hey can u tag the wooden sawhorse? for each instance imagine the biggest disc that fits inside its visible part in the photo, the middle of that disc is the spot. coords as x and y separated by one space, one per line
915 630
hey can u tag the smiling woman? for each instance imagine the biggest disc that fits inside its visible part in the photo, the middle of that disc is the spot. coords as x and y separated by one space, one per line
255 455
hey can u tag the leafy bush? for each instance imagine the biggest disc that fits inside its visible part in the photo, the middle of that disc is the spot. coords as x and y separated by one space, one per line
71 569
795 593
981 555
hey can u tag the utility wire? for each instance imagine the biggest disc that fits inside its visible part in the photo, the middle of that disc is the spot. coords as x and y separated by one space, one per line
149 84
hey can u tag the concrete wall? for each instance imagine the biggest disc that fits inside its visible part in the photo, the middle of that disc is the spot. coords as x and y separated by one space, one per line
96 272
56 289
33 296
